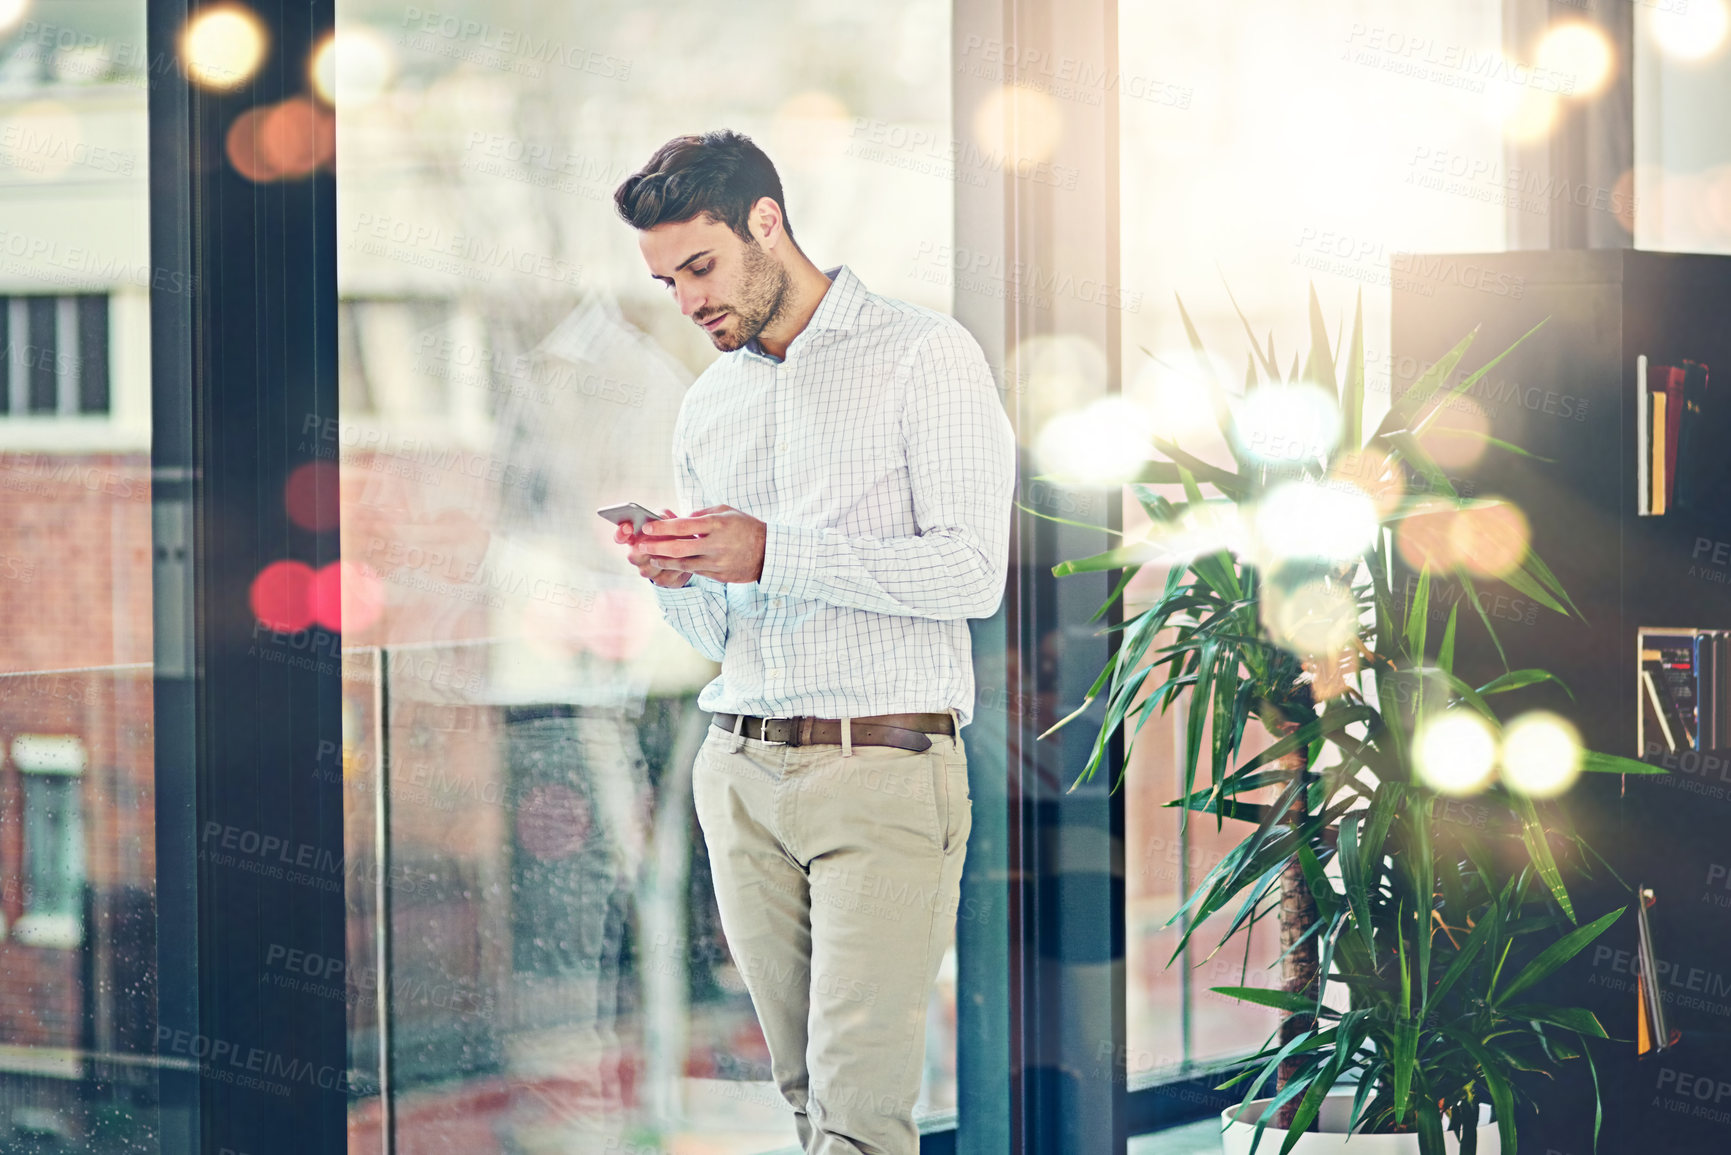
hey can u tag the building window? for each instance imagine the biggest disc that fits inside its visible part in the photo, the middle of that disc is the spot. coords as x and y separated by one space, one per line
55 361
52 768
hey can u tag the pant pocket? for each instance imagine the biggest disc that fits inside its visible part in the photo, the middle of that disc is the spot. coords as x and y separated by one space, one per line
955 811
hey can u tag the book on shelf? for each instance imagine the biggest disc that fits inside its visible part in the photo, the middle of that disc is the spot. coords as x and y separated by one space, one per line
1684 688
1677 468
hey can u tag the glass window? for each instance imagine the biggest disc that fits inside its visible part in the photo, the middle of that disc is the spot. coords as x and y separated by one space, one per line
77 828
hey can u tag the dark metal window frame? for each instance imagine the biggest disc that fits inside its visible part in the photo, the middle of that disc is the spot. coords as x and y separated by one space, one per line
243 356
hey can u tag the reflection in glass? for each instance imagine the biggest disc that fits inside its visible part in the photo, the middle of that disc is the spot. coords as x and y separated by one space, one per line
77 833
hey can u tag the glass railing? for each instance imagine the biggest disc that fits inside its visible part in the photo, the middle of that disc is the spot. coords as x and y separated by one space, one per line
553 976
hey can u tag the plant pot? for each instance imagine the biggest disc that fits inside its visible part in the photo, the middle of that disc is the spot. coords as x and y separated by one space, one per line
1330 1136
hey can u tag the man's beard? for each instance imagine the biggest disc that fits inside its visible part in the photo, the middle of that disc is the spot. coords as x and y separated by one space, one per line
762 296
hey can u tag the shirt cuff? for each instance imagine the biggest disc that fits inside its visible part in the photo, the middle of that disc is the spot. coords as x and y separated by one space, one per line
789 560
674 596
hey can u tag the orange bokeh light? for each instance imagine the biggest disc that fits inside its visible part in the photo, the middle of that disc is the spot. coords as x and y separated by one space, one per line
296 137
281 141
243 147
1490 540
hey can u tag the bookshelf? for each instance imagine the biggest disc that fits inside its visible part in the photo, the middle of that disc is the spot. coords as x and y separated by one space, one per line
1572 394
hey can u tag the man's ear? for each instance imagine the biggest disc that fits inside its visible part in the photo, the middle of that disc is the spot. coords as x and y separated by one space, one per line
766 222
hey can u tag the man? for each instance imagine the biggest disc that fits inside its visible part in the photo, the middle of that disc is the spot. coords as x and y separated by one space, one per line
853 471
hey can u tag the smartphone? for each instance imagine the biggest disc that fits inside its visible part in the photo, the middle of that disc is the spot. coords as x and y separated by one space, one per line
629 512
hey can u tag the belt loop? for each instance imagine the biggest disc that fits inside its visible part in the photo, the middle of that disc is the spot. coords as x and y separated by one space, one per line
738 733
955 728
846 736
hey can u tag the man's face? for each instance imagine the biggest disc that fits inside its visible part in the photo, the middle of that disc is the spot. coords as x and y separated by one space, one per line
730 287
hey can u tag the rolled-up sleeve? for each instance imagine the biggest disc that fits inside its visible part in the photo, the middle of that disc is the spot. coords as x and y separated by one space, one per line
961 458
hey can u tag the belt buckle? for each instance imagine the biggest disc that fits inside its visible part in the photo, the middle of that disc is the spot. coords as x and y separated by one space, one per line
763 729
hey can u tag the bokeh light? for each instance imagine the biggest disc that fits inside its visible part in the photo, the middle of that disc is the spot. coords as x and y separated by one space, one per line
1422 536
1693 31
11 12
223 47
1288 423
1104 443
1489 539
1579 52
1052 374
353 66
345 595
311 495
1021 125
280 597
243 146
1455 436
1175 393
296 137
1454 752
43 120
1373 471
1317 617
1524 113
1541 754
1336 521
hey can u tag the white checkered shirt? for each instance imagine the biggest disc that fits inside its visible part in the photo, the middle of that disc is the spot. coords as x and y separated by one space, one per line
879 455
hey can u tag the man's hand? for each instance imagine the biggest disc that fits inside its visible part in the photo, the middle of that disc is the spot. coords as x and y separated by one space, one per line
650 567
719 542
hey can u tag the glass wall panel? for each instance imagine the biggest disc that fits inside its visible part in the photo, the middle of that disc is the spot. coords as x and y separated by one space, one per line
537 964
1682 177
1269 147
77 838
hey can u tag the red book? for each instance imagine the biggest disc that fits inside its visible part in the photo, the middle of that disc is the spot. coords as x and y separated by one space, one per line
1666 380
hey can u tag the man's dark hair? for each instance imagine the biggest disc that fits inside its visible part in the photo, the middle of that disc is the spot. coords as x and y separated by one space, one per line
720 173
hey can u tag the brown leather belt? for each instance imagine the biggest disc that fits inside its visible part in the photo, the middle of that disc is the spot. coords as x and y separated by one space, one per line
903 731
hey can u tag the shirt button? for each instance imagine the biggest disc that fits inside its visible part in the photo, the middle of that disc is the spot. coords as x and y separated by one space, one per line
781 447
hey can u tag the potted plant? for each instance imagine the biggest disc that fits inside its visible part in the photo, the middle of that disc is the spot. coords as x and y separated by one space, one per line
1411 944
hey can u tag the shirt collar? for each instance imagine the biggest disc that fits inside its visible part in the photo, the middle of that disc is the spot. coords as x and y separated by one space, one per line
839 310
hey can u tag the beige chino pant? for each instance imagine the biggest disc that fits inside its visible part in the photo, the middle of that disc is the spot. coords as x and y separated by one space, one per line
837 876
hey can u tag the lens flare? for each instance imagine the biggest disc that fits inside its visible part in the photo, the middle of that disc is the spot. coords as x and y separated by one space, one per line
1524 113
279 597
223 47
1287 423
1422 536
345 596
11 11
1454 752
354 65
1175 392
1490 540
1047 375
296 137
1455 436
1374 472
1315 618
244 149
311 496
1105 443
1022 125
1336 521
1693 31
1578 52
49 121
1541 754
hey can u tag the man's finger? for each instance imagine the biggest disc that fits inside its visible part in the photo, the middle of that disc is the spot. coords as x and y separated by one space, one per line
677 549
677 527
